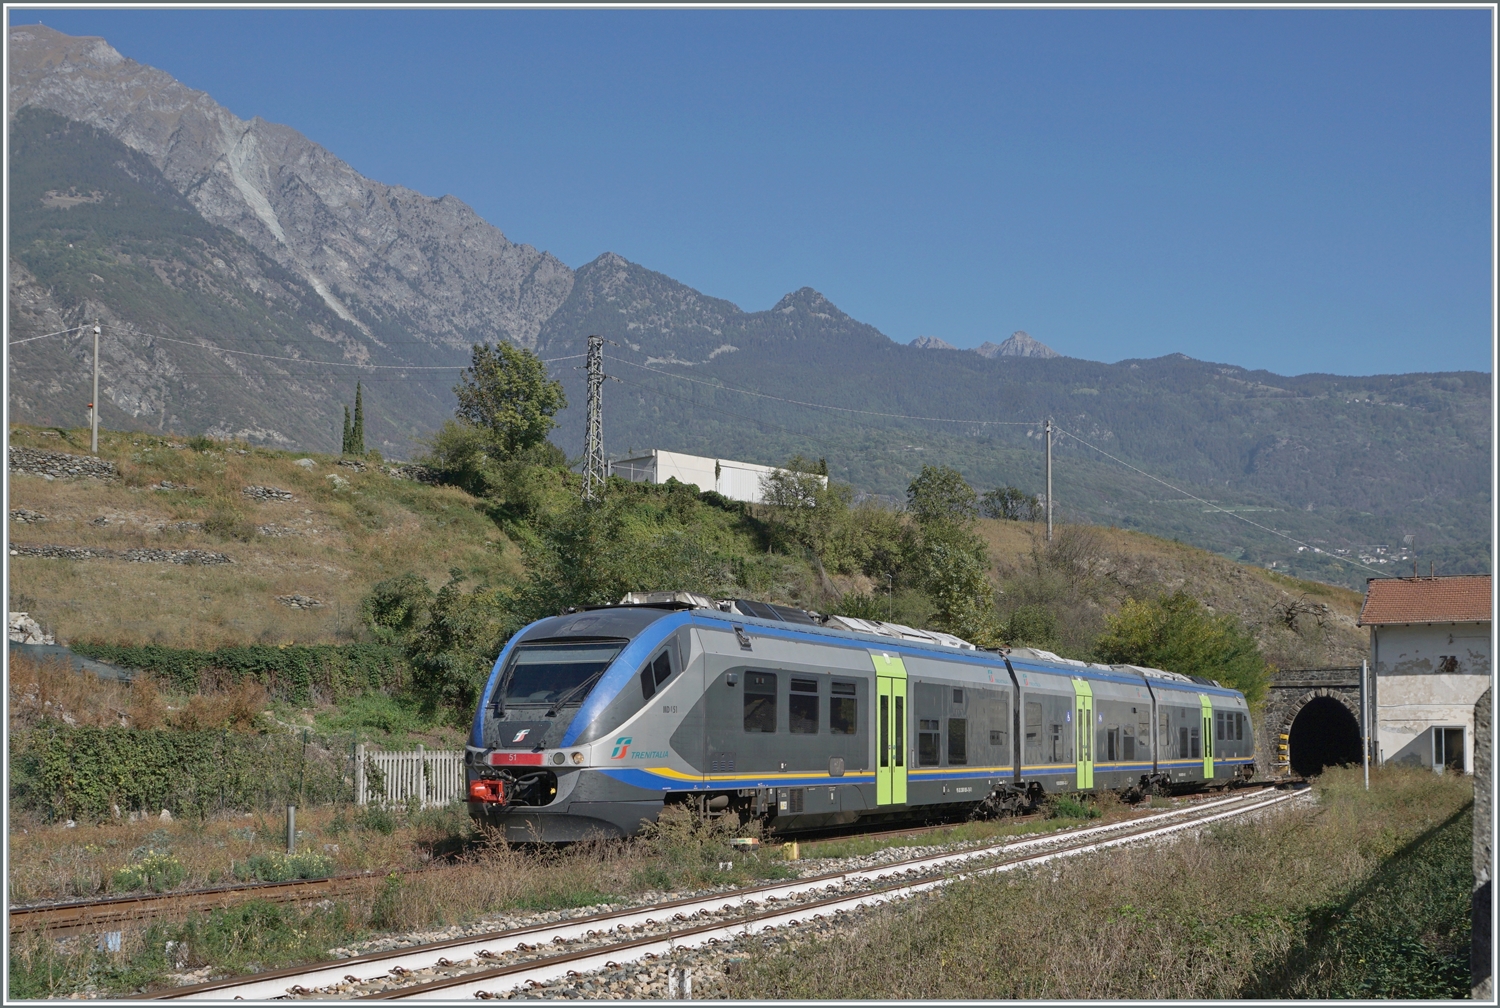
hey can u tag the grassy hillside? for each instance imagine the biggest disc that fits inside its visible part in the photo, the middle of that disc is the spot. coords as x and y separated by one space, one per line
335 540
348 530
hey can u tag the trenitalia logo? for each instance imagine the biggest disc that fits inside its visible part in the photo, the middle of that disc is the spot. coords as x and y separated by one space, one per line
622 746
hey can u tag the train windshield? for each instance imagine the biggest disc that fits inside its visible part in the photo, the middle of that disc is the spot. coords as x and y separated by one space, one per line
555 673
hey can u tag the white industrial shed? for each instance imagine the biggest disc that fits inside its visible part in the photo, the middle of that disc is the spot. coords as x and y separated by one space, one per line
736 480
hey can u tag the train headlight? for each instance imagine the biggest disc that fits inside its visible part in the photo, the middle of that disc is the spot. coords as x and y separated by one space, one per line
578 759
559 758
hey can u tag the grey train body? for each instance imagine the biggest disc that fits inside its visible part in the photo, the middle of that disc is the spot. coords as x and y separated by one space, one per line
592 720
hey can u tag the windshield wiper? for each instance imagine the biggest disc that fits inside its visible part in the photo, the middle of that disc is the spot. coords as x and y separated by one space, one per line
556 704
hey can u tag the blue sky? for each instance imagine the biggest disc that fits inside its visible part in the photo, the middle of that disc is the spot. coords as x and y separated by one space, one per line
1296 190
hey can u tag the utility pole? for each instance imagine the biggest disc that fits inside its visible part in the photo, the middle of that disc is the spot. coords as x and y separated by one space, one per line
1049 479
593 447
1364 713
94 406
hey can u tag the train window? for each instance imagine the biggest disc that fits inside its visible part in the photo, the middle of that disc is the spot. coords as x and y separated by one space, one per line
802 707
655 673
958 696
900 731
1182 743
843 718
1219 725
1033 752
760 701
885 731
1112 743
1166 731
1239 726
958 740
554 673
1057 743
928 731
1127 743
1195 749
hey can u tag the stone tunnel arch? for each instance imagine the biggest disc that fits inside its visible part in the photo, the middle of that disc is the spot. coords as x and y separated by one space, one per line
1322 731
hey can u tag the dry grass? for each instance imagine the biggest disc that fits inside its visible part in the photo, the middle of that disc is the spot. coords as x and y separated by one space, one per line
348 539
1089 570
54 689
1193 919
55 861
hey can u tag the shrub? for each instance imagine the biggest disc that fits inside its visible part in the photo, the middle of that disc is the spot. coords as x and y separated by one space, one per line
157 871
1175 633
1064 807
276 866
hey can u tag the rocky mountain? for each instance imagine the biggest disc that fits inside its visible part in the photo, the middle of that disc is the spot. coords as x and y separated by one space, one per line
396 265
202 332
931 343
1017 345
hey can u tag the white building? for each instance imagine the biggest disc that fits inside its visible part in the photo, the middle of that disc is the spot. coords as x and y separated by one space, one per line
736 480
1430 655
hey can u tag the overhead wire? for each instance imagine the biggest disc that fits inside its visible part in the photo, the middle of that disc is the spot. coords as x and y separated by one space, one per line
60 332
798 402
1212 507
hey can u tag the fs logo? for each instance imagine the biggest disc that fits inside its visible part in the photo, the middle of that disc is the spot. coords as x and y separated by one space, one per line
521 735
622 746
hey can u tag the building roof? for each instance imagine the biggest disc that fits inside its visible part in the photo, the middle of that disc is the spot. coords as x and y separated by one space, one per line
1457 599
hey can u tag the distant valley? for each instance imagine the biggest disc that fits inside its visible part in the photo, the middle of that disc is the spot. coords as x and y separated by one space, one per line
238 268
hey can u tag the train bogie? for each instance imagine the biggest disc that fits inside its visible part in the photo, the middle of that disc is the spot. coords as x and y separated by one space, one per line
591 721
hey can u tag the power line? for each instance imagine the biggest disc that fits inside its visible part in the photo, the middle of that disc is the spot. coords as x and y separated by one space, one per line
1212 507
60 332
798 402
715 409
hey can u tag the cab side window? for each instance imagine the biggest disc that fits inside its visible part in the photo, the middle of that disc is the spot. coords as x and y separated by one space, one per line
655 673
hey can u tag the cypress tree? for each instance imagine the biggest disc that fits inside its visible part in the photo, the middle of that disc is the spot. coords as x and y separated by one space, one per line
348 431
357 446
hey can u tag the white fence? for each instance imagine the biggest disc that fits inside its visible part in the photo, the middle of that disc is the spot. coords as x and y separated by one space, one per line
384 777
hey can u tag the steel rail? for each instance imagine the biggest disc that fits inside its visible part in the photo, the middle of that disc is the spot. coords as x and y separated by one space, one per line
483 984
276 983
118 910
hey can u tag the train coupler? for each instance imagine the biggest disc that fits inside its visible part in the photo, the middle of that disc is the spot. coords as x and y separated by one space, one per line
488 790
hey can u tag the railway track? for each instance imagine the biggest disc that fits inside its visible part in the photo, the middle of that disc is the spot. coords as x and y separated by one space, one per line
493 964
110 914
58 919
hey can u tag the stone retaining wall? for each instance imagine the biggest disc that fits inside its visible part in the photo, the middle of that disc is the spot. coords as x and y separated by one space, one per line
58 465
185 556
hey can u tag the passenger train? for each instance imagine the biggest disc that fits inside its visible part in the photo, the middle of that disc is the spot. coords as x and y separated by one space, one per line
591 720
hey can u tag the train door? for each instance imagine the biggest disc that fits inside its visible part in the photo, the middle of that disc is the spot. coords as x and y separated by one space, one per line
1208 736
1083 722
890 729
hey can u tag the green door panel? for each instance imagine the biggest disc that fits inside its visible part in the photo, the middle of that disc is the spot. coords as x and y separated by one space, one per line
1083 731
1208 736
890 728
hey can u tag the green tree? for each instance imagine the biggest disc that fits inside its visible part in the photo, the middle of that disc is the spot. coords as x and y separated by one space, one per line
357 432
1010 503
939 493
1174 632
451 654
348 433
804 508
396 608
505 391
951 567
